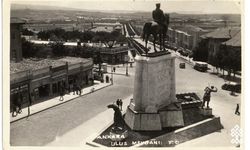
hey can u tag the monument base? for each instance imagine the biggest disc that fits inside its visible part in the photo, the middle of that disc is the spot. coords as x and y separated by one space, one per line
118 135
169 116
206 111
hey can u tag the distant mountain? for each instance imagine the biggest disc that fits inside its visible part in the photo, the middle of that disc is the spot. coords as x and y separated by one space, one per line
43 7
38 7
42 13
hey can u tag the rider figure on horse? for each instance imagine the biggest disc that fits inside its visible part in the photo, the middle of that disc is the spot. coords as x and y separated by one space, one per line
158 15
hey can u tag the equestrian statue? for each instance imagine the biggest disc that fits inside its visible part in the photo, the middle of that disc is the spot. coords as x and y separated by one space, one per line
157 27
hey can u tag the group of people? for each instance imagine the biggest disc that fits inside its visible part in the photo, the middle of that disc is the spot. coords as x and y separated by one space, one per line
76 89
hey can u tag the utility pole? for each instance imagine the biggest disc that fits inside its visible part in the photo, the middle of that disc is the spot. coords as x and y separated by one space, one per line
126 61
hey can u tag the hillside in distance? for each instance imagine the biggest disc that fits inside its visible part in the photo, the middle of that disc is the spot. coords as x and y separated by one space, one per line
45 13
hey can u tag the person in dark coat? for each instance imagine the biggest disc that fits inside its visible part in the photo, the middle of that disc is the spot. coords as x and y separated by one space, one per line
107 79
158 14
118 102
79 89
62 91
14 106
237 109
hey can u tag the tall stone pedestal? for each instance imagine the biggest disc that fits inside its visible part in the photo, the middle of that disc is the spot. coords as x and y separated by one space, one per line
206 111
154 104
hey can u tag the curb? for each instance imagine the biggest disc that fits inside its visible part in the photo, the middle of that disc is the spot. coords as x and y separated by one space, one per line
121 74
58 104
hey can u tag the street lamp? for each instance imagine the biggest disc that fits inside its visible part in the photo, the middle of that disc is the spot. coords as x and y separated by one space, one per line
110 43
126 58
112 61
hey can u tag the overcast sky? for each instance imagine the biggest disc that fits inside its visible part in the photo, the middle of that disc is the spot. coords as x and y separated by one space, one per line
196 6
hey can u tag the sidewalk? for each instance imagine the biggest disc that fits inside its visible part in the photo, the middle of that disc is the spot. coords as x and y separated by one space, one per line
36 108
83 134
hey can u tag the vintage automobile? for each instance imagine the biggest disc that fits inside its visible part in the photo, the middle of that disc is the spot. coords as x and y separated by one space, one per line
200 66
182 65
183 52
232 86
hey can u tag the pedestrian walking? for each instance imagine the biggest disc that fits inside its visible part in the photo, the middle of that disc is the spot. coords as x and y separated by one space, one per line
31 95
237 112
107 79
79 89
207 95
19 103
113 69
61 93
14 107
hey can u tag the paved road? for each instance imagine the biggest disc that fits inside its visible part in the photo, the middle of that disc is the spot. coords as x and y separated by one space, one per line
44 127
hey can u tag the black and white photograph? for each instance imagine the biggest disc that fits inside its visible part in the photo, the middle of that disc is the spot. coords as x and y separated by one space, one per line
123 74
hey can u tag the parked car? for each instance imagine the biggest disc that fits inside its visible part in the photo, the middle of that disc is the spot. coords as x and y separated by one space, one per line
183 52
232 86
182 65
200 66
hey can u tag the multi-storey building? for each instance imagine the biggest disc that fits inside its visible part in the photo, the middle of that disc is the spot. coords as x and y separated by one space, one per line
187 36
217 37
15 39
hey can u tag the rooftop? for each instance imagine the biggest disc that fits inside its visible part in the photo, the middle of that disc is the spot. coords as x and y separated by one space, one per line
192 28
222 33
234 41
35 64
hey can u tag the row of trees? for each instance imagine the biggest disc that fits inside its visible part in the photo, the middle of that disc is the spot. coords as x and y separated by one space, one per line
62 35
58 49
226 58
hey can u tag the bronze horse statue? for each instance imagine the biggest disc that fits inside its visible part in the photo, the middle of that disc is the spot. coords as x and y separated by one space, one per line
156 29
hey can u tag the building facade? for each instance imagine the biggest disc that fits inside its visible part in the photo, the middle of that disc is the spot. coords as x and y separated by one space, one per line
187 36
40 84
217 37
15 39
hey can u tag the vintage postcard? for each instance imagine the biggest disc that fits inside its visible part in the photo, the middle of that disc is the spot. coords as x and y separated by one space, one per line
123 74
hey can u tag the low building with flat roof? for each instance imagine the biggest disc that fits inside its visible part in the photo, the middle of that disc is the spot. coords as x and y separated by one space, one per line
36 80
